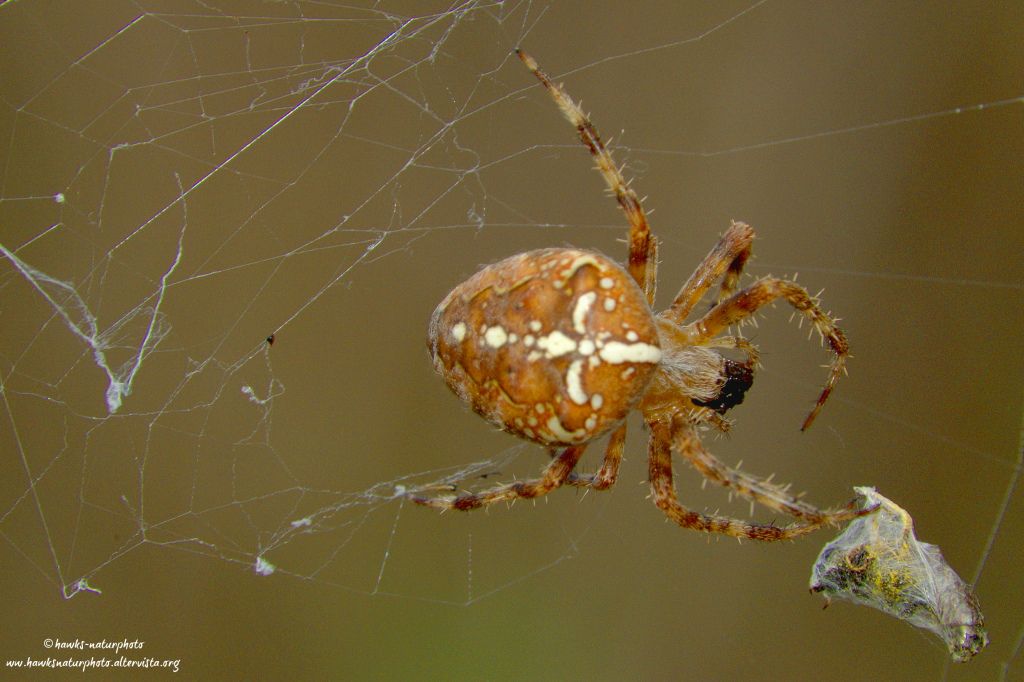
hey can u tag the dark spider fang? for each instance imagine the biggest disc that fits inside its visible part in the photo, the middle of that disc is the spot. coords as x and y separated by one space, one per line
738 378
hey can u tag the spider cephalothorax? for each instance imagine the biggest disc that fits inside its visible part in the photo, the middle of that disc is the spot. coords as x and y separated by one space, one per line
558 345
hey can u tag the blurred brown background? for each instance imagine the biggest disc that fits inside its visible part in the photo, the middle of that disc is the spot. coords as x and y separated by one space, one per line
331 172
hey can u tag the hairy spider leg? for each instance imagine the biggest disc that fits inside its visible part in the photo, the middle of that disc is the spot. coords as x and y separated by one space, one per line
740 344
643 246
725 260
556 473
664 492
755 488
608 473
745 303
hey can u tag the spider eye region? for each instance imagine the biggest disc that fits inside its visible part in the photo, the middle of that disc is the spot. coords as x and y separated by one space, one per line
555 346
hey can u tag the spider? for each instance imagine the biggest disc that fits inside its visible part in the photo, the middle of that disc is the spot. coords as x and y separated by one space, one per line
558 345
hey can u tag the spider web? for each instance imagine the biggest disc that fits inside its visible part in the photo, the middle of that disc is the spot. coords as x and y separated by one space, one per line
223 227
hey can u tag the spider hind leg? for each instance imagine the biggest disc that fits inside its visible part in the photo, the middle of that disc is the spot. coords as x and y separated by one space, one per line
643 246
606 476
556 474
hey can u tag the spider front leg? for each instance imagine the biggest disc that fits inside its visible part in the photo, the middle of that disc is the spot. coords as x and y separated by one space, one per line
745 303
726 260
664 492
556 474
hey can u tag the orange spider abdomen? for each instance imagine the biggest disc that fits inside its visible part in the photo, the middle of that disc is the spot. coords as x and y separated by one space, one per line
555 345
